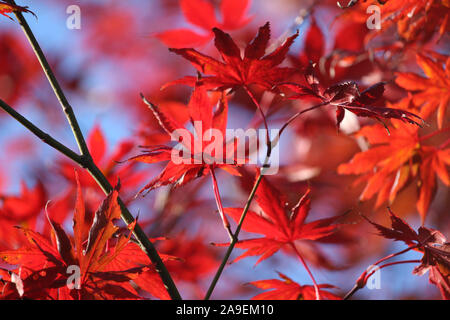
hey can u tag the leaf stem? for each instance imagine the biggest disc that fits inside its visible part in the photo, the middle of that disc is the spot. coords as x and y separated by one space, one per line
226 223
361 282
258 106
235 238
302 260
270 146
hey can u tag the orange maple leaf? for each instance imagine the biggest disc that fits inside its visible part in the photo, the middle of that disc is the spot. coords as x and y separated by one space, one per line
432 92
392 162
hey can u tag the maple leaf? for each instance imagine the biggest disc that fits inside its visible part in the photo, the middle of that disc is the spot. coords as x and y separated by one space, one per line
201 13
237 71
347 59
20 210
198 260
287 289
432 92
6 8
430 242
108 162
281 226
346 96
392 162
23 207
103 260
414 19
197 161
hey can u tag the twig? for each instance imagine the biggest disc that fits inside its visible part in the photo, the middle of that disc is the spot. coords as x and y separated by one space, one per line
271 145
302 260
85 160
226 223
45 137
53 82
235 239
361 282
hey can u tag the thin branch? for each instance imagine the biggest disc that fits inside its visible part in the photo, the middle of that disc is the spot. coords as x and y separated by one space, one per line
101 180
53 82
302 260
270 146
361 282
85 160
357 286
45 137
235 239
295 116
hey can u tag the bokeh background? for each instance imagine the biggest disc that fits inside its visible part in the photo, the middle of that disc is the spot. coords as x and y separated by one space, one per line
116 55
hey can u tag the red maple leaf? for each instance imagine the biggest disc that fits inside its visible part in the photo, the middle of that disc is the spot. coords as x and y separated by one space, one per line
104 262
198 162
201 13
108 162
430 242
236 71
196 154
287 289
281 226
22 210
198 260
393 161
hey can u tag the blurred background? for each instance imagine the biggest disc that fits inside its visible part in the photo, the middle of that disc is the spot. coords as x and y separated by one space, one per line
120 51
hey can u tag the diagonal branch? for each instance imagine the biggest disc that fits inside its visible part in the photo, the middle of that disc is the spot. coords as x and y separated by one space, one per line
101 180
235 239
67 108
45 137
271 145
85 159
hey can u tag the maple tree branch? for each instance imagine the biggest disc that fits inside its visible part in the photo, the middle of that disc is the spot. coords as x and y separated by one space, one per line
85 159
235 237
357 286
45 137
295 116
270 146
67 108
101 180
391 264
361 282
